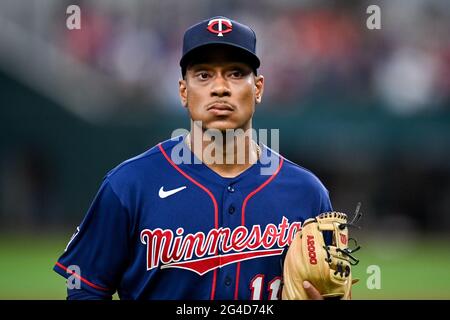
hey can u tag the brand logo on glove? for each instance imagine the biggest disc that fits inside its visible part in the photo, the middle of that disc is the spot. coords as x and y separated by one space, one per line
343 239
311 250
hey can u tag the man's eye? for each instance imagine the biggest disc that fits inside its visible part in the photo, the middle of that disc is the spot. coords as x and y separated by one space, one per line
202 75
237 74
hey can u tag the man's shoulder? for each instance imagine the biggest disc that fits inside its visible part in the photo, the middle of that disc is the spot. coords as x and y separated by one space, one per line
145 163
301 176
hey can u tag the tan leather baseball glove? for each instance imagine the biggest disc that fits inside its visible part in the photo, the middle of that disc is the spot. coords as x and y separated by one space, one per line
326 267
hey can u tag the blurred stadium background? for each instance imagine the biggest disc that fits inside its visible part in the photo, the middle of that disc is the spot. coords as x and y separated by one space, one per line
367 110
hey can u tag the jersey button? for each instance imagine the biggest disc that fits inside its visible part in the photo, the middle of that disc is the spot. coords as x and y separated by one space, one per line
231 210
230 189
228 281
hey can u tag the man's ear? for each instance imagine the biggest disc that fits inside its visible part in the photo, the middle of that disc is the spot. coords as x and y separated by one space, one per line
259 86
183 92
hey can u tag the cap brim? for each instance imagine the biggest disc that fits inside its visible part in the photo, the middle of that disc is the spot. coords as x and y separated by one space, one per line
249 57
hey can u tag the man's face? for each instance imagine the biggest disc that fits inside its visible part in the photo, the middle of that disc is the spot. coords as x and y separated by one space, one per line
220 90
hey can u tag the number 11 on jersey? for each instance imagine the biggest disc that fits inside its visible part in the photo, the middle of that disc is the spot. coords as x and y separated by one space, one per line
257 284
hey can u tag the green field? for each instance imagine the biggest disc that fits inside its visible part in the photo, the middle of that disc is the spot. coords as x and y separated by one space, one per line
417 269
420 270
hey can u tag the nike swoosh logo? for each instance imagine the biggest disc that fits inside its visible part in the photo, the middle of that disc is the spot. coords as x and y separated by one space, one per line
164 194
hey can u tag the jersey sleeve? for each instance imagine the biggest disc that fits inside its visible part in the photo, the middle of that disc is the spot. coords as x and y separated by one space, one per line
324 202
324 206
81 294
97 254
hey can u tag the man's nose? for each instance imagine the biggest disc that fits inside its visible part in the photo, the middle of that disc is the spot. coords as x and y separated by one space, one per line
220 87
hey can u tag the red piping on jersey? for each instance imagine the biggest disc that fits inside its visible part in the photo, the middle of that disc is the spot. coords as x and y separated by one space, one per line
81 278
244 205
216 208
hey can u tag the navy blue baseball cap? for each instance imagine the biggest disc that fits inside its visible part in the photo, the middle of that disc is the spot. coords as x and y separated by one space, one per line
219 31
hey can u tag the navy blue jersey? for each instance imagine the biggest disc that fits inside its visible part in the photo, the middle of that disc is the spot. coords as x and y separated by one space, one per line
161 230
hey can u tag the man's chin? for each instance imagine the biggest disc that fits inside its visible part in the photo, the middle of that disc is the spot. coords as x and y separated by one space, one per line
221 125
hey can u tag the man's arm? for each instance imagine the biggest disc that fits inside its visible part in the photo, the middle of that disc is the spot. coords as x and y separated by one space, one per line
81 294
99 249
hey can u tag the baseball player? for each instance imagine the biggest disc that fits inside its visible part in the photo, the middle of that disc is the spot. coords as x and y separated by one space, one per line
160 228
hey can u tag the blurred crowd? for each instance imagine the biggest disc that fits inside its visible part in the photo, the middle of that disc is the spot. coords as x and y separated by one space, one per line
308 49
124 59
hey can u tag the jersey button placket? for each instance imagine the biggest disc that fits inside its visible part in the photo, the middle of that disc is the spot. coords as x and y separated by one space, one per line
230 219
228 281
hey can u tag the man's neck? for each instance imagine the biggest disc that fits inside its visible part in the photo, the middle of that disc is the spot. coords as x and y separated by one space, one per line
227 156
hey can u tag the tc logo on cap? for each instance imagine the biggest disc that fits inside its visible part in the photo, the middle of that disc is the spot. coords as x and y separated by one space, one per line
220 23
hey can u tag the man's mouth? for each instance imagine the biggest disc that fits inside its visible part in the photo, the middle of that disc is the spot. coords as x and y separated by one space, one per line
219 108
